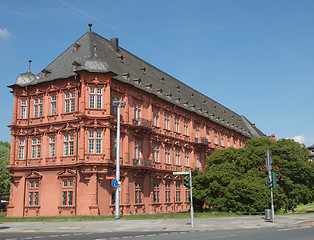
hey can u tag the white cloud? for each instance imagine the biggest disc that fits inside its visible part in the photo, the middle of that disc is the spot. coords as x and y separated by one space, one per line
299 139
4 33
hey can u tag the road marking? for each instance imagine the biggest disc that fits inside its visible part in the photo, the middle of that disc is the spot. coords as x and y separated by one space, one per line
295 228
40 237
151 235
27 238
89 233
138 236
65 235
127 237
77 234
54 236
163 233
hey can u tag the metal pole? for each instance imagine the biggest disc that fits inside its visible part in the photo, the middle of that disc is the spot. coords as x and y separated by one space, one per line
118 164
272 200
191 195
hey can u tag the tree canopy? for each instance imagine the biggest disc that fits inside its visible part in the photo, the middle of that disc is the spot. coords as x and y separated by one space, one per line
5 178
234 179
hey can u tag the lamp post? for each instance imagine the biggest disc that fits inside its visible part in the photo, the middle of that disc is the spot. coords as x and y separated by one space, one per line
118 188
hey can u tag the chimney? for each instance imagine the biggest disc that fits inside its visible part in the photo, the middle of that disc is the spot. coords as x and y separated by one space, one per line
115 43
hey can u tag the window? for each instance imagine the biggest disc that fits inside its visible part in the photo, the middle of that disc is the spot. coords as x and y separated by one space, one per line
52 141
53 105
177 156
137 150
156 153
21 148
177 125
33 193
113 146
113 197
166 121
137 111
215 138
187 158
23 108
94 142
228 141
222 140
95 98
178 192
155 117
68 145
67 192
197 132
69 102
187 194
38 107
138 193
198 161
114 109
167 155
167 192
208 135
36 147
156 193
186 127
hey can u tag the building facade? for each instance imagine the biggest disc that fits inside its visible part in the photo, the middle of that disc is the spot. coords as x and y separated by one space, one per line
63 150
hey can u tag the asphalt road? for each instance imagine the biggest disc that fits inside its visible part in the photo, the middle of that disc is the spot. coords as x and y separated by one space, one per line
290 233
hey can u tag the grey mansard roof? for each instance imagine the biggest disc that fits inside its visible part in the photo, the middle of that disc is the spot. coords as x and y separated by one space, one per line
94 53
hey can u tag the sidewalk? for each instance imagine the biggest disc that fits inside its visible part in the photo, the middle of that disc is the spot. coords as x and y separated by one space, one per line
220 223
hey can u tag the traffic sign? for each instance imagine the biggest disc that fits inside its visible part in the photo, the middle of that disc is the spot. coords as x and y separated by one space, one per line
110 177
114 183
180 173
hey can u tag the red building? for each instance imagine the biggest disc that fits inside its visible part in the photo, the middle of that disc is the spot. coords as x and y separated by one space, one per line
64 134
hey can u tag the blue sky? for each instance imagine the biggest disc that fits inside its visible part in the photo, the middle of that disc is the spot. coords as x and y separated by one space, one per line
254 57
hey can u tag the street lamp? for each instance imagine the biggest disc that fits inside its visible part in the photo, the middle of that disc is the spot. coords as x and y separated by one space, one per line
118 188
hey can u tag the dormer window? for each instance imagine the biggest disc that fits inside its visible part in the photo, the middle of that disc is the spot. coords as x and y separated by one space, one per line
44 73
126 76
178 88
76 47
143 70
162 80
121 59
75 66
137 81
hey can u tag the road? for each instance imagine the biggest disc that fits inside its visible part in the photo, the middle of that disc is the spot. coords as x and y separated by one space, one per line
289 233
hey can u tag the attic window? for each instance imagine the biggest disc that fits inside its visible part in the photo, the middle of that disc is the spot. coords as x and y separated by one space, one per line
192 106
143 70
192 95
204 101
149 86
162 80
185 103
159 91
44 73
177 100
121 59
232 116
178 88
224 112
126 76
169 95
137 81
75 66
76 47
215 108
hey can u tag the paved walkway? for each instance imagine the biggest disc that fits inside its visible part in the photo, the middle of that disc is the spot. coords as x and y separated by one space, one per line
219 223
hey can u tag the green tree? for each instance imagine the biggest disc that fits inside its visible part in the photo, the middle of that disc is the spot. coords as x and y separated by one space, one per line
234 179
5 178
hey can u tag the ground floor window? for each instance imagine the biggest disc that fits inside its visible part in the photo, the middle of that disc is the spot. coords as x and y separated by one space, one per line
67 192
167 192
33 193
138 193
156 193
178 192
187 194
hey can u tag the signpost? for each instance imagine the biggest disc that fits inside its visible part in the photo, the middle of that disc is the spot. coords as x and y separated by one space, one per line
114 183
270 183
189 185
110 177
